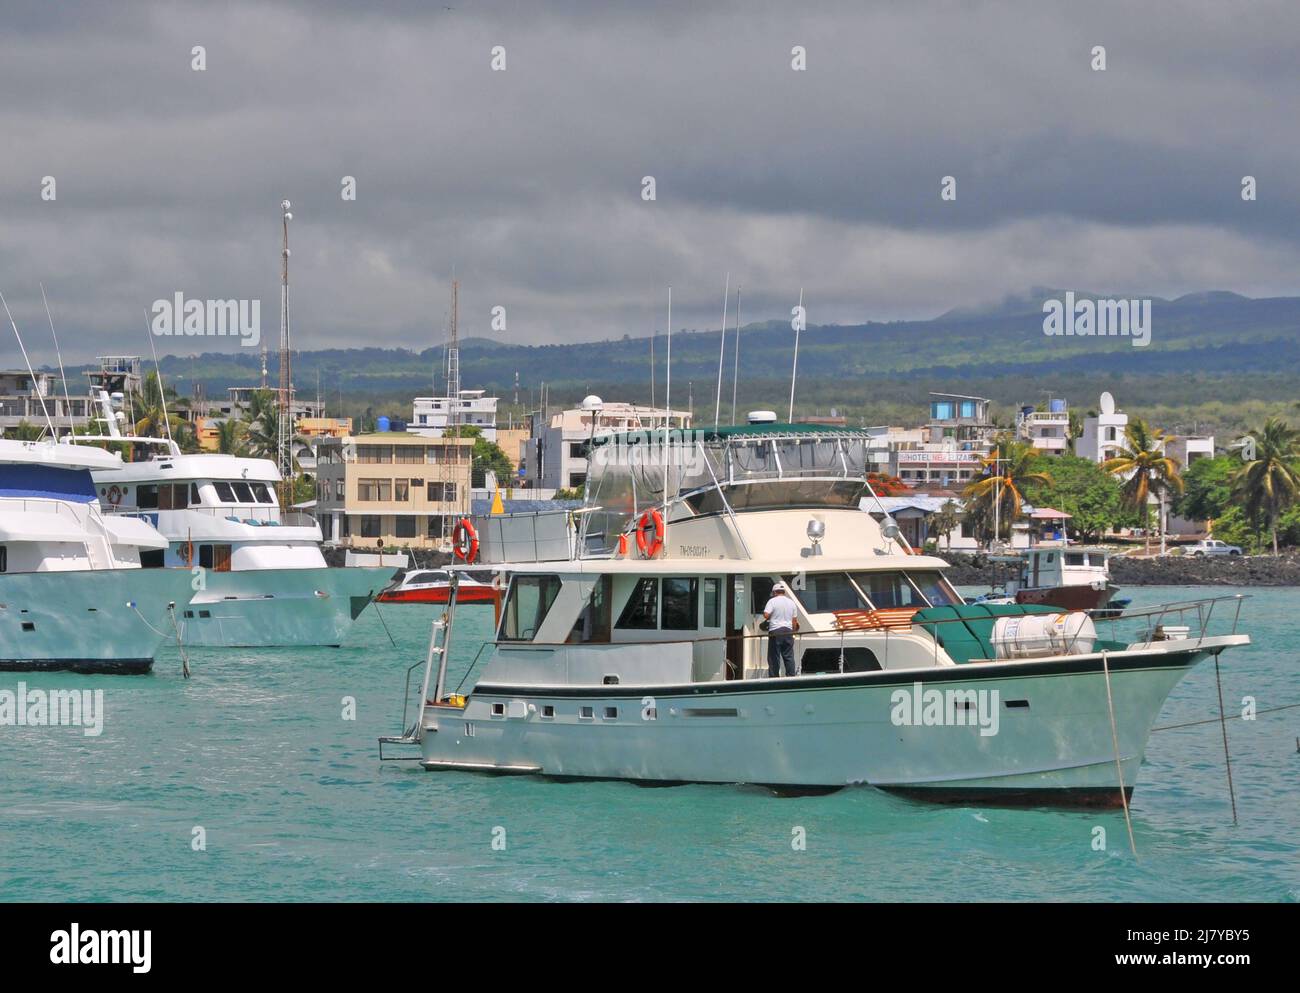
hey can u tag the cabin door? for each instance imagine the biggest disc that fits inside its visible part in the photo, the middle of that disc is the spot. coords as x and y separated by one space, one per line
734 629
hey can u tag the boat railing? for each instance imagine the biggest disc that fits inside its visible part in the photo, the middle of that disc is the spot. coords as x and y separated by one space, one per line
255 516
1155 616
43 505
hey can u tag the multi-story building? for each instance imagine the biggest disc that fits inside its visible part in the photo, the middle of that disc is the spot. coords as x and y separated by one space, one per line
961 421
391 489
240 400
1047 430
1103 432
1187 448
430 416
22 397
555 455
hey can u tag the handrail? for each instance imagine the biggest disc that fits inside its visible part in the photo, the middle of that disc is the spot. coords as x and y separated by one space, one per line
836 632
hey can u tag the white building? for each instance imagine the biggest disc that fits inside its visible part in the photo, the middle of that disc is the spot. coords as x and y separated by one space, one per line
1103 433
1047 430
1186 449
431 415
555 456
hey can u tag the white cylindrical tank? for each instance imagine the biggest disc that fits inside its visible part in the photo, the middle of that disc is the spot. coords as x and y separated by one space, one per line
1038 635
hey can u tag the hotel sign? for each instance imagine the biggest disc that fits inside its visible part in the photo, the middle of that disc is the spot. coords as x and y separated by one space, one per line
939 458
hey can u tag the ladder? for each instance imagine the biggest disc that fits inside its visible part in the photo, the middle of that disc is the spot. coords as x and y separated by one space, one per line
439 646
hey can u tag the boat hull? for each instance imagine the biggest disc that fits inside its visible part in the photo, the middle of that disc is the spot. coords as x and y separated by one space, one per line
1052 744
275 608
438 594
1067 597
84 621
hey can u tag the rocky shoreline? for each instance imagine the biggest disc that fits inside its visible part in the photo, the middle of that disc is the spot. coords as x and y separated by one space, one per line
1173 570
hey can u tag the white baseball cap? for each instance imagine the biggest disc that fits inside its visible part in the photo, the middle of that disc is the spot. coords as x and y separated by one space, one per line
779 588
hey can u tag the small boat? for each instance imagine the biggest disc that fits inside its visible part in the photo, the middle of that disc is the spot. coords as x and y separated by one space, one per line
630 643
73 595
266 583
434 586
1070 577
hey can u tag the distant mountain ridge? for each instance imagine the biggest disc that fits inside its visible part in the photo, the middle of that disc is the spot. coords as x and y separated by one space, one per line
1236 348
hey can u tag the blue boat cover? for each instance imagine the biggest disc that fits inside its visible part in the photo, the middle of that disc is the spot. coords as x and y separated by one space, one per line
41 481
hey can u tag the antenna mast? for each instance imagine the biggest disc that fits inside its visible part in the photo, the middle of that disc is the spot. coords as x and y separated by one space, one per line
284 429
722 350
794 370
453 364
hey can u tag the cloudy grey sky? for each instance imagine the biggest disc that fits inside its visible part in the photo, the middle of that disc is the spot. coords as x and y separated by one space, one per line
527 183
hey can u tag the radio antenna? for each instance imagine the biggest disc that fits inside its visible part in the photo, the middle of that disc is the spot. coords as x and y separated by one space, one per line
67 400
40 396
722 348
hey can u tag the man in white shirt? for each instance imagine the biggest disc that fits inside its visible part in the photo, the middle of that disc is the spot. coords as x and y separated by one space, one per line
781 625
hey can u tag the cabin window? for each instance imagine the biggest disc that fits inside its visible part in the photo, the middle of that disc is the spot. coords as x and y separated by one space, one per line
262 494
244 493
760 591
224 493
172 496
194 495
681 604
586 713
548 711
611 713
146 496
151 558
712 603
404 527
4 558
215 557
1075 558
935 589
641 612
826 591
527 605
888 589
593 623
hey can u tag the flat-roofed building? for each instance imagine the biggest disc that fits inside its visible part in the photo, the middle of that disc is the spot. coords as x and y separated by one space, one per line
391 488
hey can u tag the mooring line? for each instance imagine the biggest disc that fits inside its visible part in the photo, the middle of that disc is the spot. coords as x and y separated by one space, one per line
1119 768
1223 723
385 624
1215 720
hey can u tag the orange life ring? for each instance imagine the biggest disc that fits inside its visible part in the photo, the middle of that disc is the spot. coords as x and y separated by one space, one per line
114 495
464 541
647 547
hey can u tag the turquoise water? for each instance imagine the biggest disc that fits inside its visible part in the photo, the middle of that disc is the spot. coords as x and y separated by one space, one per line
296 806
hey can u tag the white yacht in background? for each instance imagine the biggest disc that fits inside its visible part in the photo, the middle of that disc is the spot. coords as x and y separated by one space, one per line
73 596
265 582
629 645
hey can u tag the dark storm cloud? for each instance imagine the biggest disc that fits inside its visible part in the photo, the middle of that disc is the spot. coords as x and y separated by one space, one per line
526 183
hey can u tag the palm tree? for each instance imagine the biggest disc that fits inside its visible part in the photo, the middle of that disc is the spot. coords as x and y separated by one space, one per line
999 493
230 437
25 431
1270 483
158 415
1147 471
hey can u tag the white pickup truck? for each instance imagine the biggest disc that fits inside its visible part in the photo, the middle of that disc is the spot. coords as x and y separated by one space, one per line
1212 546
